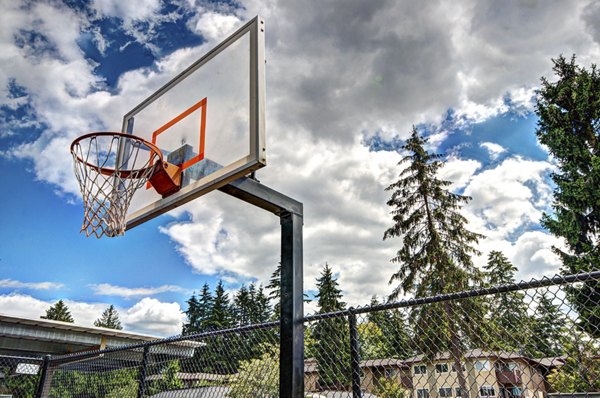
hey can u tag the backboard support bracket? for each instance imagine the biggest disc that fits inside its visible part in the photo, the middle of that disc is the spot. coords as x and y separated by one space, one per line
290 213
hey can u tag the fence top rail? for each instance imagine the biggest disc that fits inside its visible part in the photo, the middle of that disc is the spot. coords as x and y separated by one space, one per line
21 358
66 358
524 285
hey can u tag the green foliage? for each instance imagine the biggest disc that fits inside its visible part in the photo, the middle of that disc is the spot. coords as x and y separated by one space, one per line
581 371
168 381
390 388
58 312
569 125
251 306
548 329
18 385
258 377
109 319
108 384
390 336
508 324
331 335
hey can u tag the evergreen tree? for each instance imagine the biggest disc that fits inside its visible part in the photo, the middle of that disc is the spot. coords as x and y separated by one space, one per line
58 312
274 288
395 340
205 308
548 330
435 257
221 316
261 309
198 312
569 125
242 304
109 319
509 324
192 319
331 335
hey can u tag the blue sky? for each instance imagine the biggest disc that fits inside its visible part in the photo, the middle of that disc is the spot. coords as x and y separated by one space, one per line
342 97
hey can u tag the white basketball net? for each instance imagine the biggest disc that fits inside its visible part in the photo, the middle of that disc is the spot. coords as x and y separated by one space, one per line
110 167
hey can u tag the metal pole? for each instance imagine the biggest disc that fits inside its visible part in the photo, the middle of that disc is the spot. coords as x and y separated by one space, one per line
354 355
42 382
291 361
142 375
290 212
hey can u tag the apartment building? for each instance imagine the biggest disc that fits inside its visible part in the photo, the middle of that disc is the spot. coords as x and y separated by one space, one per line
486 375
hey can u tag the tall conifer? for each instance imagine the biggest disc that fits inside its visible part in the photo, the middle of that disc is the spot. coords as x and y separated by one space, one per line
569 126
435 256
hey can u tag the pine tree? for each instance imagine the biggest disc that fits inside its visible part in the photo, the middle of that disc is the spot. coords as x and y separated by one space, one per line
205 308
331 334
435 257
221 316
509 324
395 335
274 288
58 312
109 319
191 314
569 125
548 329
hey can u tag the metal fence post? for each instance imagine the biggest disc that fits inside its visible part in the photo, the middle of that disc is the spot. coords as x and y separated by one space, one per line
142 376
42 382
291 366
354 355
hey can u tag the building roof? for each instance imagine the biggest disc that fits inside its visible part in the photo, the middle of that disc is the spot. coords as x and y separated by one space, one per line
26 336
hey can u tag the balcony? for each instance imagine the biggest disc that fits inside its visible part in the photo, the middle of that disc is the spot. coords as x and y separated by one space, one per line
512 377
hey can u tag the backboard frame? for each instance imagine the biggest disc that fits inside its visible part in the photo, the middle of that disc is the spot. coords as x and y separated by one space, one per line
257 150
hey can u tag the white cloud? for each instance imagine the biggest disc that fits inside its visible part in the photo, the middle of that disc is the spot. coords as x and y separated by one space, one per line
128 10
214 26
493 149
152 316
148 316
106 289
509 196
335 74
459 171
10 283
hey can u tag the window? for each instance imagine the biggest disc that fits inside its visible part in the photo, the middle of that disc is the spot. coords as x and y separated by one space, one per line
487 391
482 365
420 369
506 366
441 368
422 393
462 366
445 392
458 392
390 373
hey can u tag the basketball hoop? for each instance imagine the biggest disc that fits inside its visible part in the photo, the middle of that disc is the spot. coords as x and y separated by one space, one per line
110 167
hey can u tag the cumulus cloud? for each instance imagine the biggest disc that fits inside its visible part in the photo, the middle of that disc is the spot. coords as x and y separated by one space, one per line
153 316
147 316
493 149
509 197
135 10
335 75
10 283
106 289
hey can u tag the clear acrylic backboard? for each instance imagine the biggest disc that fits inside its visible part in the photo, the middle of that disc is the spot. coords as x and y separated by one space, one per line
208 120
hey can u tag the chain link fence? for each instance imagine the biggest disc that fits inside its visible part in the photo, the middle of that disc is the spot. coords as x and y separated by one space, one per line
528 340
19 376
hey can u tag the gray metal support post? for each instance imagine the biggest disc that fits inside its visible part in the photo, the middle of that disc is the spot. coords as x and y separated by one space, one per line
42 382
291 377
142 375
354 355
290 212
